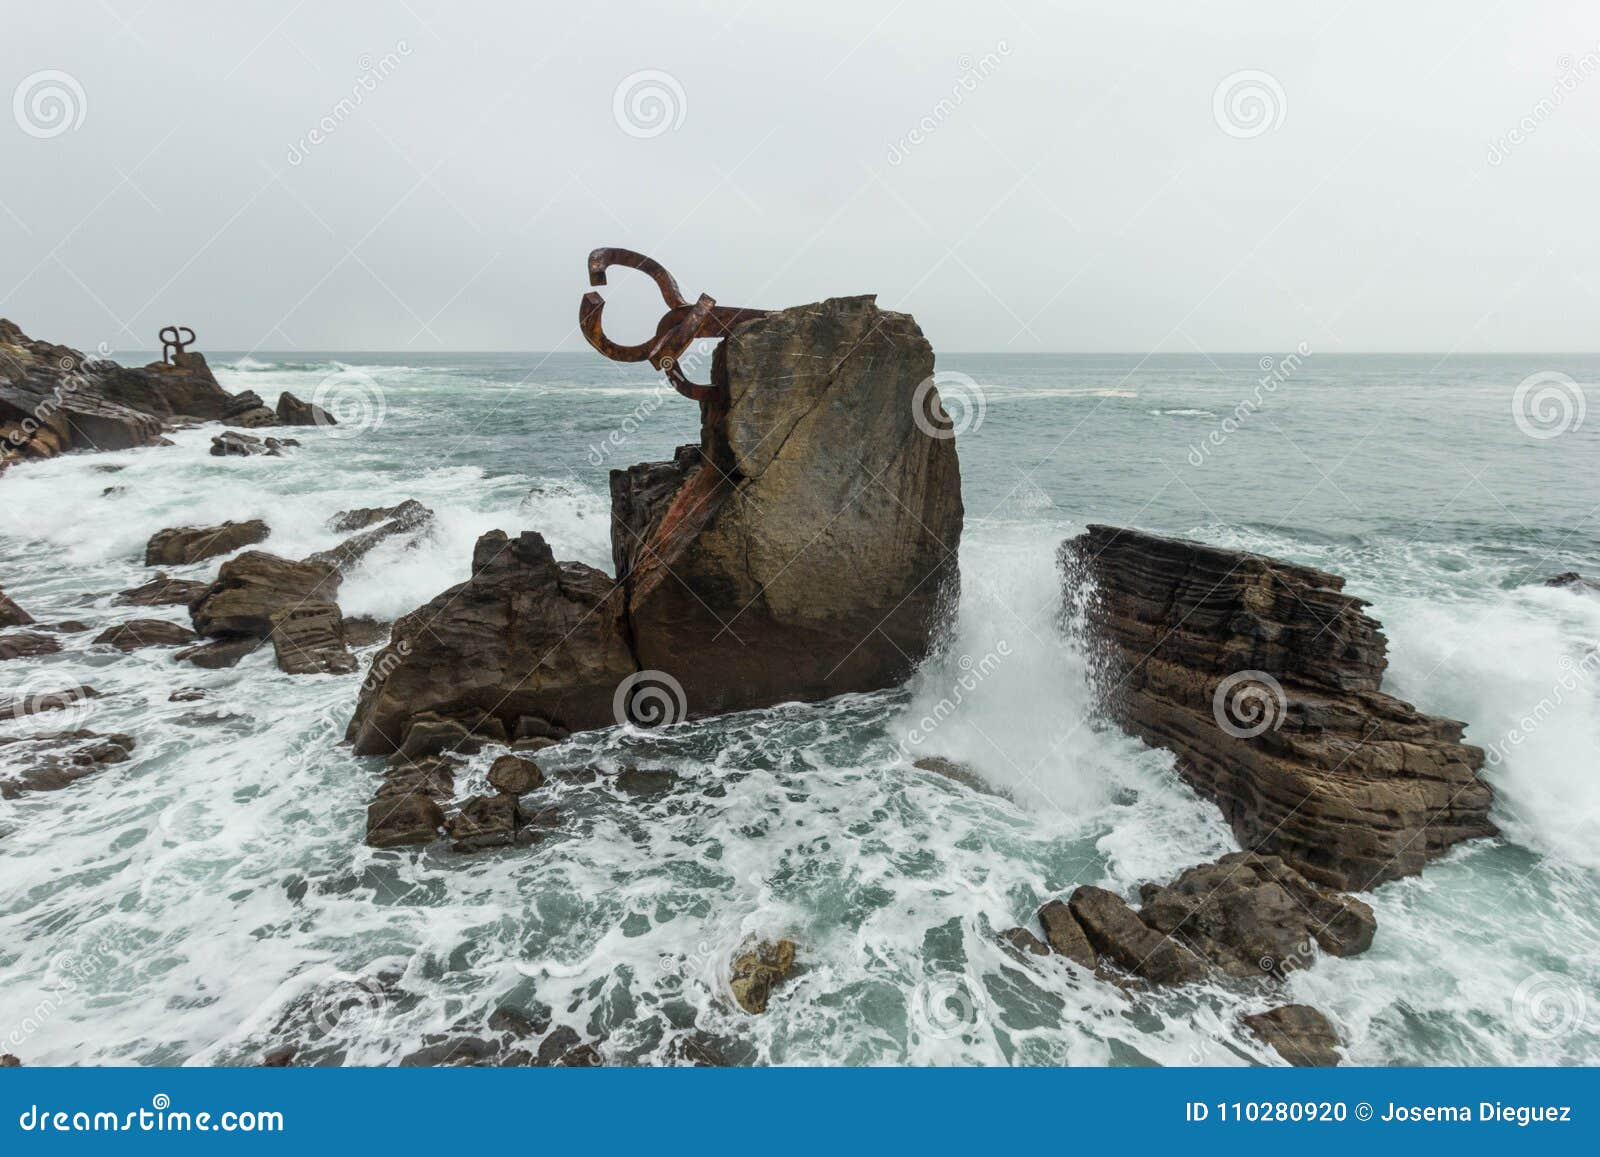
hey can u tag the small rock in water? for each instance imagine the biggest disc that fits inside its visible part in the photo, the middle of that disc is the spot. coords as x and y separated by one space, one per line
644 781
215 656
514 776
1572 580
137 633
758 971
695 1050
956 772
279 1057
162 591
9 1061
35 703
1024 941
563 1048
52 760
1298 1033
65 627
1065 934
293 412
186 695
12 615
27 645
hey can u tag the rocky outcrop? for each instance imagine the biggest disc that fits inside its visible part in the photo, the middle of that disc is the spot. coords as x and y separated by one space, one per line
182 545
807 547
219 654
375 525
12 615
1263 678
252 588
137 633
293 412
308 639
1247 917
53 760
1298 1033
804 549
524 636
54 399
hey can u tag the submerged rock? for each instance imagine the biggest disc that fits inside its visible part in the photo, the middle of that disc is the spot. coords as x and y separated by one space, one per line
524 636
515 776
137 633
38 702
807 547
405 817
182 545
52 760
1573 581
162 591
1298 1033
758 971
217 655
1263 678
27 644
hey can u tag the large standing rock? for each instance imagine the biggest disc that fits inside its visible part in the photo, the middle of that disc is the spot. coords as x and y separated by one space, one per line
181 545
1263 677
293 412
254 587
808 547
524 636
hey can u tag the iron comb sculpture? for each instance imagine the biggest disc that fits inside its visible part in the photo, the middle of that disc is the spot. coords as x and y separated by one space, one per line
173 343
678 328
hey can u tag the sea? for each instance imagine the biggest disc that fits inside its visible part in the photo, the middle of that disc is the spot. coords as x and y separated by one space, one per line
212 898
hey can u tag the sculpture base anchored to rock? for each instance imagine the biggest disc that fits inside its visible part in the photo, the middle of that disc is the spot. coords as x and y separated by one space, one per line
806 548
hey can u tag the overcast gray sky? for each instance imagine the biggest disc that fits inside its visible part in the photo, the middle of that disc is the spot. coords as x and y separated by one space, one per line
1020 175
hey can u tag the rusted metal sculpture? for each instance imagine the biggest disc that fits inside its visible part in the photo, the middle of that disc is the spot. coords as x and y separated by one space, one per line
173 343
680 326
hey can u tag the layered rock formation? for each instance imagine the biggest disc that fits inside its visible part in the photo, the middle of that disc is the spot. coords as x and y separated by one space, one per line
805 548
250 589
1263 678
181 545
54 399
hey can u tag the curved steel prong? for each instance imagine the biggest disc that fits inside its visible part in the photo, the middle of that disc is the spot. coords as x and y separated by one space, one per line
590 310
602 259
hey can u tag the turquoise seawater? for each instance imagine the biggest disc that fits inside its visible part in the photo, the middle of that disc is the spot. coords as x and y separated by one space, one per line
212 898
